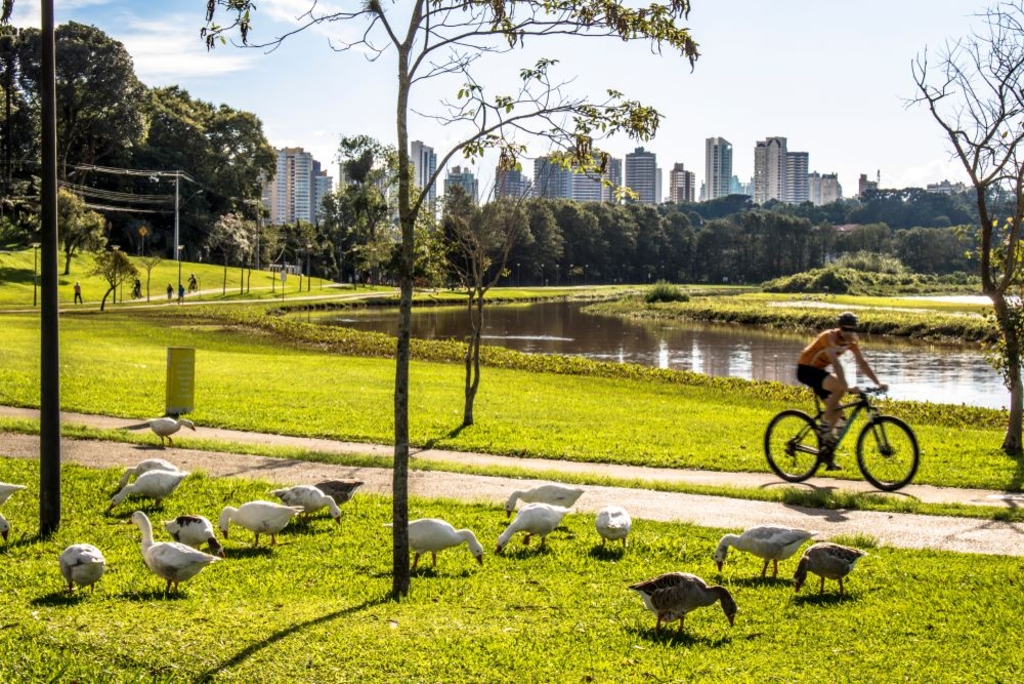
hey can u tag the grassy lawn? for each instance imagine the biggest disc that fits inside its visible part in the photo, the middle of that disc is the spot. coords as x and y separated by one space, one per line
115 364
315 608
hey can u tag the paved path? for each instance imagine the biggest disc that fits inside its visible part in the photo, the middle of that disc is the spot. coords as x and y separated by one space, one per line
911 531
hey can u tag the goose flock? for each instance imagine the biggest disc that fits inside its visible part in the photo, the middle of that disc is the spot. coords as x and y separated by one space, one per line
670 595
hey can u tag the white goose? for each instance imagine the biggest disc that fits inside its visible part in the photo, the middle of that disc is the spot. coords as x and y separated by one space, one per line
310 498
535 518
553 494
145 467
172 561
613 522
156 484
7 489
827 560
82 564
259 517
433 535
163 427
194 531
766 541
672 595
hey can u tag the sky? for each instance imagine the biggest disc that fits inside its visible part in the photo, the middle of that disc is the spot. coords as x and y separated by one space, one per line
833 78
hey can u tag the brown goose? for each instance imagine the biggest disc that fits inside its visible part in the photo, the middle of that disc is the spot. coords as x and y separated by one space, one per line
672 595
339 490
827 560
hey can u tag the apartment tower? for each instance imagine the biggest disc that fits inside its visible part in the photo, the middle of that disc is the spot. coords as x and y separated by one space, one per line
717 168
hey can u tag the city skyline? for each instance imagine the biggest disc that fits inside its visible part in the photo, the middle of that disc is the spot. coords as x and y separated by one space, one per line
832 81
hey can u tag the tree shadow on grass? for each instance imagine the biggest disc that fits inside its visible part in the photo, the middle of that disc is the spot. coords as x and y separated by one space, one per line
523 551
431 443
253 649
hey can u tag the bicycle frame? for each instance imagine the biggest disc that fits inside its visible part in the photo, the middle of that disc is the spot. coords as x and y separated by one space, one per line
861 403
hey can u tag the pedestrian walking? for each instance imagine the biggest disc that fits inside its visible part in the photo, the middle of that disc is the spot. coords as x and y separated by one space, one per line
181 293
170 291
78 292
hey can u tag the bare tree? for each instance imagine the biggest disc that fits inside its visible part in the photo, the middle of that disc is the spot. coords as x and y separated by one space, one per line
479 241
149 263
445 39
973 91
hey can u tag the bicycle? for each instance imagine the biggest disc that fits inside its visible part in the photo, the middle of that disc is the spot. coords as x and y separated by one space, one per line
887 450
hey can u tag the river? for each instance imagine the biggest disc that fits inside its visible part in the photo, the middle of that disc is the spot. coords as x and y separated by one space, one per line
914 370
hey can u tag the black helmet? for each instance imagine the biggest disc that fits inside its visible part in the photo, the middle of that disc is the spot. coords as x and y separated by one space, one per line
847 320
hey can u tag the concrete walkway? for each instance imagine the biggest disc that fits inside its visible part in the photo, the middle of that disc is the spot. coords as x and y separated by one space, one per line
903 530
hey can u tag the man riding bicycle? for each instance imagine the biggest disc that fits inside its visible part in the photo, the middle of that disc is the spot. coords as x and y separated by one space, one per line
813 370
193 284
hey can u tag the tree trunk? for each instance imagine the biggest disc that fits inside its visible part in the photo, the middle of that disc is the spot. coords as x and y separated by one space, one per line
224 285
103 302
67 262
476 319
241 280
1012 441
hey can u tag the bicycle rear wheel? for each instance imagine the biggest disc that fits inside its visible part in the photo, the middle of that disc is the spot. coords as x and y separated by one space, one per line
887 453
791 446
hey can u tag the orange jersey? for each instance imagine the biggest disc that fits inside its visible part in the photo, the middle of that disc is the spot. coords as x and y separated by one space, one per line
815 354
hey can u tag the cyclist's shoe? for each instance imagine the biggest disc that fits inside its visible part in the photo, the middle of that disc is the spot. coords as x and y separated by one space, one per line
832 465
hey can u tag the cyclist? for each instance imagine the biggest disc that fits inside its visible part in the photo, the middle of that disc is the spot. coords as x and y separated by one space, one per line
818 367
193 285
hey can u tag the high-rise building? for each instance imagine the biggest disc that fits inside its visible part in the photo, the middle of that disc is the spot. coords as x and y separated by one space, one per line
642 175
831 190
551 179
717 168
681 184
769 170
424 164
463 178
736 187
796 191
596 187
511 183
297 188
864 185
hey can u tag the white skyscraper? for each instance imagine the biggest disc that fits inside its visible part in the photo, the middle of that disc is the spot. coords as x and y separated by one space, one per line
424 164
770 170
297 188
796 191
717 168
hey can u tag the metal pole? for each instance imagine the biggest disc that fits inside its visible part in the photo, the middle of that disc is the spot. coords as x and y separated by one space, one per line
49 327
35 273
177 242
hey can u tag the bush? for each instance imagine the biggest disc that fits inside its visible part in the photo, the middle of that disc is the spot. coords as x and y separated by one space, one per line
665 292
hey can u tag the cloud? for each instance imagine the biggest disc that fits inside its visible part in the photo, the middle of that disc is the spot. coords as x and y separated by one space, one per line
167 50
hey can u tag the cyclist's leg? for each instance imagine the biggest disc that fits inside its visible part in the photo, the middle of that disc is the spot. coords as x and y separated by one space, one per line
836 389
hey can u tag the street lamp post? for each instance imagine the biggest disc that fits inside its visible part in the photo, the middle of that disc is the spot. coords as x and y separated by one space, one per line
518 278
309 282
179 249
35 273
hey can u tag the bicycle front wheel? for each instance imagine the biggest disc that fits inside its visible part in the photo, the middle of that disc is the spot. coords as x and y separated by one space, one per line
791 446
887 453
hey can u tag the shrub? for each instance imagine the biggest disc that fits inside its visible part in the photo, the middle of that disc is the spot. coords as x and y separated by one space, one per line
665 292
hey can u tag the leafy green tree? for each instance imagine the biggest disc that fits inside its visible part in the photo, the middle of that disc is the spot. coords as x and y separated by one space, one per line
973 92
116 268
79 228
439 39
98 118
232 237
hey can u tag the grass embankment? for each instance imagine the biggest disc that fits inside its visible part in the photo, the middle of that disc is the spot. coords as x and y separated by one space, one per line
16 269
315 607
261 373
895 316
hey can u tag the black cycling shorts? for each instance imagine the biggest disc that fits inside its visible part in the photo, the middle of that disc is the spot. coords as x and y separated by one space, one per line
813 377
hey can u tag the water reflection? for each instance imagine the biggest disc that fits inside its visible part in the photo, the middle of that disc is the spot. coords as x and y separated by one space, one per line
917 371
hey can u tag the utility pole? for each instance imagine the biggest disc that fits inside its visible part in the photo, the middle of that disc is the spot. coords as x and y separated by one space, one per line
49 326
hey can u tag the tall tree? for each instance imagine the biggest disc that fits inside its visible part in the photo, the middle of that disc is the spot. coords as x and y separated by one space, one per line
79 228
973 92
115 267
441 39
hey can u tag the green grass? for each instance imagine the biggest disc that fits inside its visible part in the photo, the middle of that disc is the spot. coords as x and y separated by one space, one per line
315 608
115 365
16 270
